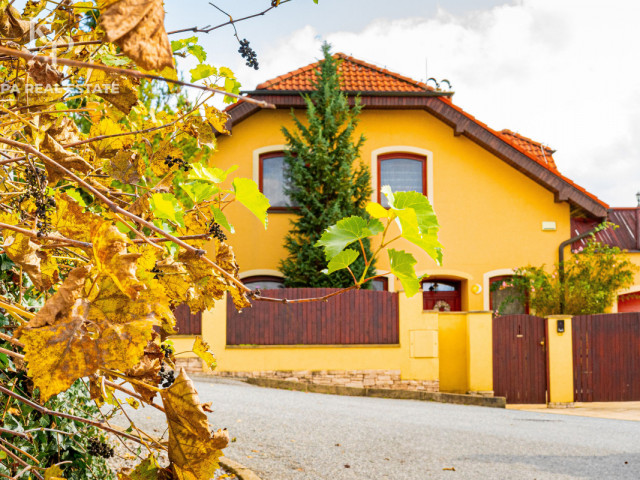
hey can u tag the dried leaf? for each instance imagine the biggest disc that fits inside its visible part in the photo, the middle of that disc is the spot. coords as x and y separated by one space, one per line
43 73
193 450
54 472
137 26
201 348
112 258
201 130
148 370
65 132
124 167
122 92
60 304
23 252
66 159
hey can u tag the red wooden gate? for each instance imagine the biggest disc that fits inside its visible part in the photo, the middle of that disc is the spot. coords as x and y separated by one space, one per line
519 358
606 357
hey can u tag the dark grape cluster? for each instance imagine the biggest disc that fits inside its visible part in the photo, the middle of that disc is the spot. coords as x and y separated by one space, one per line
168 377
36 188
248 54
98 448
216 231
181 163
156 271
168 350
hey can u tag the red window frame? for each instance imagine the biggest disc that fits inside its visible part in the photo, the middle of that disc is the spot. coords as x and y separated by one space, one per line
264 156
401 156
385 283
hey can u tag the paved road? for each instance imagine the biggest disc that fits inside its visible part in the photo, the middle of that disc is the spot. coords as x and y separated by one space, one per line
285 435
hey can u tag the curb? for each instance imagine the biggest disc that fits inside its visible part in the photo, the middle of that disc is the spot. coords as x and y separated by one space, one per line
240 471
440 397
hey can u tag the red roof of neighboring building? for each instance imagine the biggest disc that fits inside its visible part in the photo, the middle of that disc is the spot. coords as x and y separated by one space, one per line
359 76
356 76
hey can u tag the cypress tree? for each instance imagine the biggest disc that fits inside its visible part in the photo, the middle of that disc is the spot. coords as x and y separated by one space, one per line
324 178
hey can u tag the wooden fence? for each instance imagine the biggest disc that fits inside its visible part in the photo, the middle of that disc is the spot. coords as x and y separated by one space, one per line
356 317
606 357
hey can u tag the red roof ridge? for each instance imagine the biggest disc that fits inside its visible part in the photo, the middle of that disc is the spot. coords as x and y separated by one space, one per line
269 84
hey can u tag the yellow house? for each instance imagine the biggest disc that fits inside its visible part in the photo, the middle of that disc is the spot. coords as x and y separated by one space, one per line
500 200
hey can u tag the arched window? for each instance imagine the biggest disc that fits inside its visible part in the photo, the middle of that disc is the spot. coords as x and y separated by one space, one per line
403 172
506 299
263 282
442 295
272 180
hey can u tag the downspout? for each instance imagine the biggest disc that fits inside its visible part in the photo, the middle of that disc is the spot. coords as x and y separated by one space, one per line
561 248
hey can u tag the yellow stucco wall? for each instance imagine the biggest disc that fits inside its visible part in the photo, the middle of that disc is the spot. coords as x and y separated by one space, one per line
416 356
490 214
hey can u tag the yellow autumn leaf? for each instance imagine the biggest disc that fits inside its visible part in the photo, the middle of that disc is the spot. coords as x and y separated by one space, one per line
112 258
54 472
108 147
119 90
193 450
200 129
78 341
217 118
71 221
148 369
137 26
201 348
148 469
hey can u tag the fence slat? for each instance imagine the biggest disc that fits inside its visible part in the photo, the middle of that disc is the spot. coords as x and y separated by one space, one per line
355 317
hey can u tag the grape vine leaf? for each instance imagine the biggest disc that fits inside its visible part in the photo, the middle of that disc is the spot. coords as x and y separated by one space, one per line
138 28
193 450
248 194
417 219
341 260
345 232
166 205
403 267
201 348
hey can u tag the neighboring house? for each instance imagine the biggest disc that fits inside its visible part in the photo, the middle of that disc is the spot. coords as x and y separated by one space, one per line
625 235
500 199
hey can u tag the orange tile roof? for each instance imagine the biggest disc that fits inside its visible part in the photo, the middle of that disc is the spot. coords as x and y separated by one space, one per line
356 76
543 153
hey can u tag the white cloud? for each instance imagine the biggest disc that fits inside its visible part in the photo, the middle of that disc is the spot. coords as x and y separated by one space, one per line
564 73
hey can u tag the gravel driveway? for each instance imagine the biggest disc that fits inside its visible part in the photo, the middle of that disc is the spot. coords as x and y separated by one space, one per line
285 435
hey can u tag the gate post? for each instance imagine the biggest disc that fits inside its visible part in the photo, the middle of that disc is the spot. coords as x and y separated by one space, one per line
560 361
480 353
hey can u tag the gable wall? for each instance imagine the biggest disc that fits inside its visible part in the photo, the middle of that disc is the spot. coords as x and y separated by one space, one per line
490 214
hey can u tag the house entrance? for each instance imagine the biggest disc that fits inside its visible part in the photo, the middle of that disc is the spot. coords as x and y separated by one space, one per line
520 358
441 295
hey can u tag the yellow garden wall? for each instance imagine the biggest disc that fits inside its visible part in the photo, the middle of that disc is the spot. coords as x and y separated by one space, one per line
490 214
466 352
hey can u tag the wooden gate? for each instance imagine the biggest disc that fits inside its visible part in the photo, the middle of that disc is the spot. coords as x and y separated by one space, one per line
519 358
606 357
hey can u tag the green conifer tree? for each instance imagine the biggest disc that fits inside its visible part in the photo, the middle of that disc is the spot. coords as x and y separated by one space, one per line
325 178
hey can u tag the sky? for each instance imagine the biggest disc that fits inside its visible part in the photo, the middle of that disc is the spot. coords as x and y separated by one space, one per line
565 73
